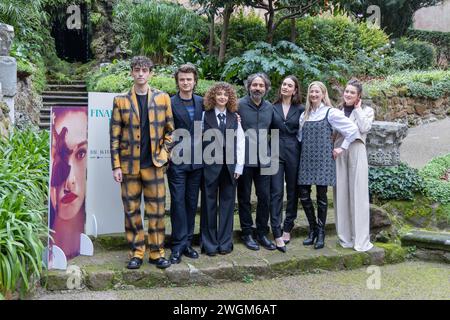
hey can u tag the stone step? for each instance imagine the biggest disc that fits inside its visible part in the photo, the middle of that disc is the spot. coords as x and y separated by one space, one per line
118 240
106 269
427 240
64 104
76 82
44 125
58 99
67 87
65 93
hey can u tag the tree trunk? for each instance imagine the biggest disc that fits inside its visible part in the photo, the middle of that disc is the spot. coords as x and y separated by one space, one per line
212 35
270 22
228 10
293 31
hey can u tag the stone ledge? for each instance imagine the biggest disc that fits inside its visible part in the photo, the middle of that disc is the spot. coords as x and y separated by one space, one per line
106 270
427 240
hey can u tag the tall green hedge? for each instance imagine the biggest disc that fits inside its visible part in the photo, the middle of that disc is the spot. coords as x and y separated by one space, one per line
440 39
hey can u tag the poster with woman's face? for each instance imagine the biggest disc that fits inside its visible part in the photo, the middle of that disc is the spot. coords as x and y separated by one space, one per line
68 164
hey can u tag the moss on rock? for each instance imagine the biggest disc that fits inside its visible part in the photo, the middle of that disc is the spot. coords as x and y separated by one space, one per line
394 253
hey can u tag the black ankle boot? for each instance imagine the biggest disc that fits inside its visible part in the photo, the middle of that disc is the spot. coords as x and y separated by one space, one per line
320 239
312 236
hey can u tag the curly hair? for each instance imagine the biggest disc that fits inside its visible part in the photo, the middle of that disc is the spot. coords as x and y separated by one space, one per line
210 96
141 62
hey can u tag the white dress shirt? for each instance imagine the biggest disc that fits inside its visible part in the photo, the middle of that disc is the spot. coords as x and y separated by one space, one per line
240 137
337 120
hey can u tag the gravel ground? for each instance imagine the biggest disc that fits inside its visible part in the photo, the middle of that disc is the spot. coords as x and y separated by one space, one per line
409 280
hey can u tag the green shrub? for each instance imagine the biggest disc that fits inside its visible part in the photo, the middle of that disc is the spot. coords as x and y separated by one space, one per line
398 183
243 30
281 60
436 187
383 62
115 77
440 39
24 168
208 67
432 84
424 52
334 37
154 26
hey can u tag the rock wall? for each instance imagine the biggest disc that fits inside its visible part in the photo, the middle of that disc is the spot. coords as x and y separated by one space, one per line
8 79
107 42
409 110
27 105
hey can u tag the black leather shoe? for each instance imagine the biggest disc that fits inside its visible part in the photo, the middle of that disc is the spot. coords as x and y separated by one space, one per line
266 243
250 243
211 254
134 263
175 257
190 253
282 249
160 263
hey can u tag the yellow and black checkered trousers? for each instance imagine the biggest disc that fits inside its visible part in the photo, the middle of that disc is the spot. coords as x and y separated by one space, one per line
151 181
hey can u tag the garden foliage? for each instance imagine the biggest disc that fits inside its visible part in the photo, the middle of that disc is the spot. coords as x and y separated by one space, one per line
24 167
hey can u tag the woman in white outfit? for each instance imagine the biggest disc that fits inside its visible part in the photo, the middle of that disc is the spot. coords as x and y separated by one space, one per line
351 194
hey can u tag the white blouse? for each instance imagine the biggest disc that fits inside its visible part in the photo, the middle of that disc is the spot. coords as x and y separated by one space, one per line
337 120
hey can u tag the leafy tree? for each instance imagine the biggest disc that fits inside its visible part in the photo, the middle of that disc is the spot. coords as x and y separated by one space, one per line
278 11
213 8
396 15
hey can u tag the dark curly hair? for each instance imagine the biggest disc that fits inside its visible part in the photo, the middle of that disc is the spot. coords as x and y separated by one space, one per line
142 62
210 96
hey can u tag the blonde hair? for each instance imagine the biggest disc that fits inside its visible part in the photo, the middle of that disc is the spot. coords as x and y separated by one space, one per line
326 99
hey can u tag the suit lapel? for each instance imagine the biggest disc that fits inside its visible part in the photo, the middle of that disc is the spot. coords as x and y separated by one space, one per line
229 123
152 117
134 102
210 117
292 111
279 109
182 112
198 109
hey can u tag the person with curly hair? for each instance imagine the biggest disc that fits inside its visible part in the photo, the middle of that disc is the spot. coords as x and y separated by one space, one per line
224 157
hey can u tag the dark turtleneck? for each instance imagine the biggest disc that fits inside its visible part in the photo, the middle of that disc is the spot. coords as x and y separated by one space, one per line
348 110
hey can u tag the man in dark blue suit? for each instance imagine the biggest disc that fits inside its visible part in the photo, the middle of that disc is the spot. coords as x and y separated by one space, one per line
185 177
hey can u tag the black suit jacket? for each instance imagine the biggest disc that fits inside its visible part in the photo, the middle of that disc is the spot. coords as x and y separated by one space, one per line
288 128
212 171
183 121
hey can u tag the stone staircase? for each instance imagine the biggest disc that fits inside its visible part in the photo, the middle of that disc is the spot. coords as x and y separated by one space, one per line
62 95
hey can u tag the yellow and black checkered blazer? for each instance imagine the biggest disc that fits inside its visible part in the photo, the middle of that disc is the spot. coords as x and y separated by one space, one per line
125 130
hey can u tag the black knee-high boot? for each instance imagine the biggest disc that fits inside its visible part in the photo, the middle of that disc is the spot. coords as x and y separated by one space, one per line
308 207
322 206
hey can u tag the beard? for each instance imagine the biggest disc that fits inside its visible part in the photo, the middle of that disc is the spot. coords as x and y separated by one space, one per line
256 95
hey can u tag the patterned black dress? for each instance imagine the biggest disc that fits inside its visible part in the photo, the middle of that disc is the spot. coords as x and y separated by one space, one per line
317 166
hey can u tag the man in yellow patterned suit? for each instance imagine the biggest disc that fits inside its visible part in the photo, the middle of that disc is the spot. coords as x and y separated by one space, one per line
140 136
